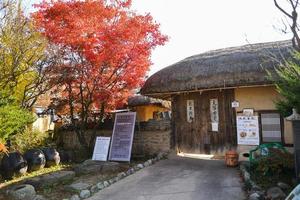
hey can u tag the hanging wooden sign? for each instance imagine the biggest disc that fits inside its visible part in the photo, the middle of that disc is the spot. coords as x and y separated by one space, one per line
190 108
214 114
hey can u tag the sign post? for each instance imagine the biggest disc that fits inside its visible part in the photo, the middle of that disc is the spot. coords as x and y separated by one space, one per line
122 137
101 148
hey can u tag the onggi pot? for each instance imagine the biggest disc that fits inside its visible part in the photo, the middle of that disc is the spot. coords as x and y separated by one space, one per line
13 164
52 156
35 159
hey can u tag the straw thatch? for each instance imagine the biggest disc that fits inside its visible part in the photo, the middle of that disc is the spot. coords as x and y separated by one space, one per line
139 100
223 68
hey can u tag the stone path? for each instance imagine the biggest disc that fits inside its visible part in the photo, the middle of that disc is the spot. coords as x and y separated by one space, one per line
178 178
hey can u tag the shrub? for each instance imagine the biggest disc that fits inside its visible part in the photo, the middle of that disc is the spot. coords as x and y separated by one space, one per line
277 166
277 162
13 120
29 139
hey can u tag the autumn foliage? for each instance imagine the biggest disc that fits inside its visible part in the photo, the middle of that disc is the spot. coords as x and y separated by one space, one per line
105 52
3 148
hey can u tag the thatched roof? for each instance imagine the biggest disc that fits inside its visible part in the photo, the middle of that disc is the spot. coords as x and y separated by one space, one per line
223 68
139 100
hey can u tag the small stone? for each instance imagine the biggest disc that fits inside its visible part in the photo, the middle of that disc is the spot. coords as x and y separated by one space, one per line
146 164
150 162
39 197
275 193
255 187
140 166
75 197
77 187
100 186
283 186
254 196
94 189
130 171
121 175
111 181
246 176
106 183
159 156
85 194
20 192
116 179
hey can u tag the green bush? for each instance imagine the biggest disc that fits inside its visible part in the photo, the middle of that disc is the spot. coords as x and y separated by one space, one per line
277 166
13 120
29 139
275 163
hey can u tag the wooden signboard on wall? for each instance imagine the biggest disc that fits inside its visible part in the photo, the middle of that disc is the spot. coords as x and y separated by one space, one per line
214 114
190 110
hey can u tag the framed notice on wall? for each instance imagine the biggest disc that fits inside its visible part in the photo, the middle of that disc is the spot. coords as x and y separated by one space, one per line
247 130
122 137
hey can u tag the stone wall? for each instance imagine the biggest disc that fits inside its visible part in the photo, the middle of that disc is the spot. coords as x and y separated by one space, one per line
144 143
151 142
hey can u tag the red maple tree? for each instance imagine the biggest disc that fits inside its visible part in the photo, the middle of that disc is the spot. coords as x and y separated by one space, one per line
105 50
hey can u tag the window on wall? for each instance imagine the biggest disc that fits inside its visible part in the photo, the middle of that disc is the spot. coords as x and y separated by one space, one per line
271 129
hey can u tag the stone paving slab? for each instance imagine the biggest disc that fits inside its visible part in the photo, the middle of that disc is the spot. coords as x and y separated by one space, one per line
90 166
77 187
51 179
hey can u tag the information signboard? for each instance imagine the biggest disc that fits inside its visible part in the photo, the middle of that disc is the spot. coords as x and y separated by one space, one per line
248 130
101 148
122 137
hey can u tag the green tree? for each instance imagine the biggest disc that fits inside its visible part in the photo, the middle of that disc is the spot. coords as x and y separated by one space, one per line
24 58
24 65
288 85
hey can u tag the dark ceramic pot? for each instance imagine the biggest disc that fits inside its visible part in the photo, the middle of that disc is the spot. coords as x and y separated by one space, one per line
52 156
35 159
66 156
13 164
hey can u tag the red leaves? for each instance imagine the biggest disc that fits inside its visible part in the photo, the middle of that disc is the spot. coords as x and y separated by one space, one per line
106 47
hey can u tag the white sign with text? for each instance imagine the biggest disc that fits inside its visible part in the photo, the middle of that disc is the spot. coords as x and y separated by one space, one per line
101 148
247 130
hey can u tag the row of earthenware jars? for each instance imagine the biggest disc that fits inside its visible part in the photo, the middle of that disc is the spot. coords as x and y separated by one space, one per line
14 163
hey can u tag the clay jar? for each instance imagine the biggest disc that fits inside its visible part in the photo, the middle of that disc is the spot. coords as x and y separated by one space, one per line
35 159
52 156
13 164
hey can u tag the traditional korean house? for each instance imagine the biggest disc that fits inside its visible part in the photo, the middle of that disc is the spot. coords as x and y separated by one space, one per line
149 108
223 99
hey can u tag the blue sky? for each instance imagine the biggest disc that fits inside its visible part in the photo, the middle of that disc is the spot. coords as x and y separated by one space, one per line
196 26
